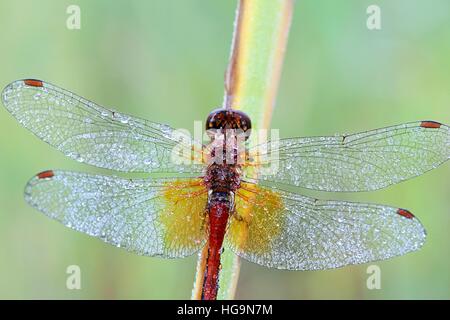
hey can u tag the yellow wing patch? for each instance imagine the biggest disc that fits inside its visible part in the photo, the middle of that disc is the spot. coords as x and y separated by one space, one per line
257 221
183 216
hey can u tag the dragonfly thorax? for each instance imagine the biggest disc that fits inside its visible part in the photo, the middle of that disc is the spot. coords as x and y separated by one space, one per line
222 177
228 129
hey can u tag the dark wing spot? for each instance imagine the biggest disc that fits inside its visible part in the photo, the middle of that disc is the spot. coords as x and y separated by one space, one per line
430 124
33 83
405 213
46 174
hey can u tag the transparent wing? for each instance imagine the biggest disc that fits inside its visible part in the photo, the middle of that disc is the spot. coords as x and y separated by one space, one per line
149 217
92 134
358 162
284 230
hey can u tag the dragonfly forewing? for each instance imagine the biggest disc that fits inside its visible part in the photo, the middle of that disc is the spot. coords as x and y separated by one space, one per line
358 162
90 133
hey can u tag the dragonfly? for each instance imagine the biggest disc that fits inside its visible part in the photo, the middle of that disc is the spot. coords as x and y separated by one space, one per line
222 204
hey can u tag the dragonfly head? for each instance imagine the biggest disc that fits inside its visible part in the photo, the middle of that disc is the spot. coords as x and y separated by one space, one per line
223 119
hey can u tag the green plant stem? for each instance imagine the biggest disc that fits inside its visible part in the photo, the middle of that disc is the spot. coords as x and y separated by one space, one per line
251 83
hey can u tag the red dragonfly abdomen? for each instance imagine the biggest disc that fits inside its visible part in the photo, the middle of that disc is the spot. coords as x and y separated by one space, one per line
219 211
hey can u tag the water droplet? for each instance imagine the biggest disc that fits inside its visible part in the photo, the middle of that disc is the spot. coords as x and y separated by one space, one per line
166 130
124 119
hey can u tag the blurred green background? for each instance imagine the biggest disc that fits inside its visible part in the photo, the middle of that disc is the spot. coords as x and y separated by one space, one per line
164 61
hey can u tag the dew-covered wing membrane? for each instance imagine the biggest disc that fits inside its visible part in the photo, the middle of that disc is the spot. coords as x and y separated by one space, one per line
358 162
163 217
283 230
90 133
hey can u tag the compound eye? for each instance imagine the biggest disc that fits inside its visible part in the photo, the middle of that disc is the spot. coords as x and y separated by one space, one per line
243 122
220 119
216 119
